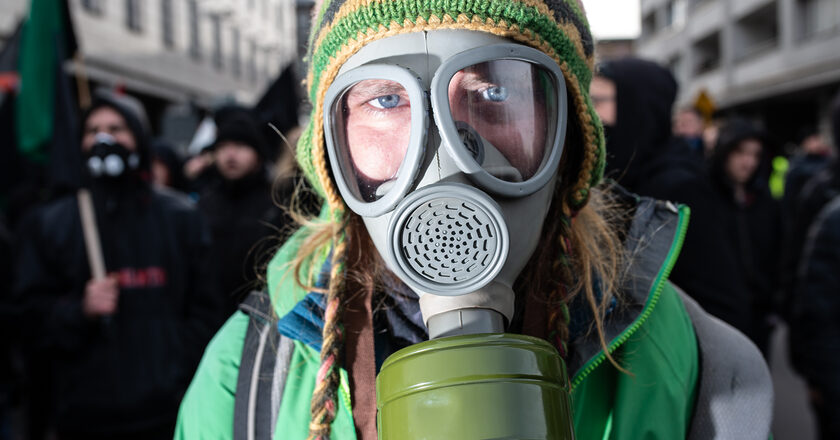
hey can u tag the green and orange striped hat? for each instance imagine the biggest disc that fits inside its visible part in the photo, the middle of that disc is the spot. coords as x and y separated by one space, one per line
558 28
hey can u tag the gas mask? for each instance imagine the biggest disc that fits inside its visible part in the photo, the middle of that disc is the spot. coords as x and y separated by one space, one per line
447 144
108 159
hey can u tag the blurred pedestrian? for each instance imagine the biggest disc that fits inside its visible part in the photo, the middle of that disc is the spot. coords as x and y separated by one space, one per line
634 99
810 173
739 170
815 292
815 328
121 349
167 166
246 222
689 126
8 375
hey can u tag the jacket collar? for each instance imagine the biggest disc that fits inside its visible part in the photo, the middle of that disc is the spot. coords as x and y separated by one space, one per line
652 243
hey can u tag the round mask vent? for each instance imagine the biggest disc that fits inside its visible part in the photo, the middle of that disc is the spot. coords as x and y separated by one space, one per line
449 239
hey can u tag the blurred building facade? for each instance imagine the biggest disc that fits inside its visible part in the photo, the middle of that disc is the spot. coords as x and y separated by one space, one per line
613 48
174 53
775 60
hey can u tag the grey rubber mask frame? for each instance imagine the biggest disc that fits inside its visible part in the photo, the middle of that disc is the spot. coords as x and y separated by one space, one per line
467 156
442 201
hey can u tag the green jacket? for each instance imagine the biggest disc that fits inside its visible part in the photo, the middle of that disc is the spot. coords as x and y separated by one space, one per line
650 334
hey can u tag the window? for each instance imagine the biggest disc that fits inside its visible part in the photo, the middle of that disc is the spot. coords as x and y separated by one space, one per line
266 64
649 24
818 17
195 35
674 64
216 22
133 15
757 31
707 53
236 54
668 18
252 61
167 23
95 7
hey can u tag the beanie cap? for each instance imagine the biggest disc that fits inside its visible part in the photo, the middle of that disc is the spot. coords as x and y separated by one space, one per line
558 28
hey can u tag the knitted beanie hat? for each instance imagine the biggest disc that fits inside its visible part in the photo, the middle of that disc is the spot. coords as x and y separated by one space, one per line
558 28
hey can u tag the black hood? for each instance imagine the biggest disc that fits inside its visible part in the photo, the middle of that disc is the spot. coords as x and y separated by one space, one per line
645 95
135 117
731 134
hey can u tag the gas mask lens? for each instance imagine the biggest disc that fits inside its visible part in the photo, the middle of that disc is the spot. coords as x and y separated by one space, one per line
373 127
505 113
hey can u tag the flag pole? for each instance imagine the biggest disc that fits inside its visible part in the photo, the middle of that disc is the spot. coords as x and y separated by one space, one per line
82 81
90 230
91 233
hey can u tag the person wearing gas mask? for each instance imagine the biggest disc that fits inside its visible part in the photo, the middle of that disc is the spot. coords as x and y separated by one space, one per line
464 254
122 348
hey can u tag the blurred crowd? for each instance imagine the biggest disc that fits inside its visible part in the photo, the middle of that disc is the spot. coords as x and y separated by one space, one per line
183 240
92 355
763 242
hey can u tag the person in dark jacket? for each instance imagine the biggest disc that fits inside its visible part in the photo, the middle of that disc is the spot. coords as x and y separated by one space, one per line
802 206
815 298
739 168
122 348
634 99
244 218
815 329
167 166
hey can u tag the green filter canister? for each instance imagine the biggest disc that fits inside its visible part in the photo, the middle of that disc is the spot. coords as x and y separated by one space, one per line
485 386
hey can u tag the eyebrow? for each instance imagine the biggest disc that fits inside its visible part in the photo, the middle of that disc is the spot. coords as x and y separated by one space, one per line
376 88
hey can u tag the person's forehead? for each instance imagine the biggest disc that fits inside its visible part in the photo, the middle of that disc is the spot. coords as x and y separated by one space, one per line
105 114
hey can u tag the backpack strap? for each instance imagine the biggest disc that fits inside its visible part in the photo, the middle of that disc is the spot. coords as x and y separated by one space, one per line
262 371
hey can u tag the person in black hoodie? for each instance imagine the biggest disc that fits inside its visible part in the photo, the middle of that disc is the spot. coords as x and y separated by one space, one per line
739 169
123 348
815 302
634 99
240 207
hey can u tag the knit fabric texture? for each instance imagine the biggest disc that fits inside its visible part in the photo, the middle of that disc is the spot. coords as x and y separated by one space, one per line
558 28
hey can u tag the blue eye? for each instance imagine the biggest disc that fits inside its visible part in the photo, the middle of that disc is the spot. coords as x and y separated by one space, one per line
387 101
495 93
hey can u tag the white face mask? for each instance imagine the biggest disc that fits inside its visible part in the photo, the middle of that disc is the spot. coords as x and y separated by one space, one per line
455 206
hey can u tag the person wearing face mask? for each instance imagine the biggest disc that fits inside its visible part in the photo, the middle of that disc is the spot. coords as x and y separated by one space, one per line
751 222
122 348
466 275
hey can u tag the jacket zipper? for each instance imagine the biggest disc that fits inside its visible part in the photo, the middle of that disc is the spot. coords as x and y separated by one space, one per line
659 284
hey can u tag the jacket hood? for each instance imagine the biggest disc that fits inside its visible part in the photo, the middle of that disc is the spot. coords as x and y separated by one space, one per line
135 117
645 95
735 131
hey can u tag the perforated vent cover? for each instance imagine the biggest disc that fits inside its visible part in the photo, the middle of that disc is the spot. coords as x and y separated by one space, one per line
450 241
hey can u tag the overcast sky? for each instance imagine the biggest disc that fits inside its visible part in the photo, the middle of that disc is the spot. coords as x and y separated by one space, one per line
613 18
